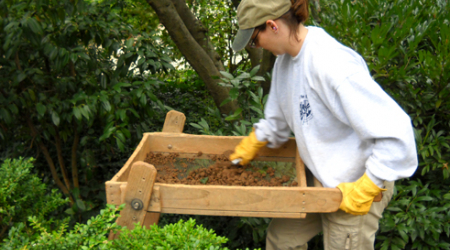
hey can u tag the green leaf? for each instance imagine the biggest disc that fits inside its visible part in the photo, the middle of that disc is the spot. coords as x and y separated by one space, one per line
243 76
106 105
424 198
77 112
204 180
227 75
32 94
195 125
21 77
34 25
143 100
129 43
258 78
117 87
55 118
81 205
204 124
41 109
69 211
13 108
447 196
84 56
85 111
120 135
234 93
120 144
225 101
4 114
254 70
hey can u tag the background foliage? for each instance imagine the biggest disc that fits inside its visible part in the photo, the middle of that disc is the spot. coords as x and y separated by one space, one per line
80 81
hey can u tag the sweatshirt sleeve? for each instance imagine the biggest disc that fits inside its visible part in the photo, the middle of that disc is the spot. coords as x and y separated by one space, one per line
376 117
273 128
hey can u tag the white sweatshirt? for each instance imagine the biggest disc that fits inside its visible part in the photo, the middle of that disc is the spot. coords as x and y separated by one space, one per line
344 123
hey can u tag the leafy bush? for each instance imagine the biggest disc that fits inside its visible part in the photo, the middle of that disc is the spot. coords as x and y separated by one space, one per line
26 207
245 89
181 235
23 194
92 235
418 217
77 89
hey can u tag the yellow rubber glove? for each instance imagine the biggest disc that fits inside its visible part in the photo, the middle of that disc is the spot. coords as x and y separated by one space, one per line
247 149
357 197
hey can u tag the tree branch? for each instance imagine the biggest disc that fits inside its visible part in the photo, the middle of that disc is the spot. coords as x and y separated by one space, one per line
17 60
74 161
72 69
198 32
193 52
59 153
50 162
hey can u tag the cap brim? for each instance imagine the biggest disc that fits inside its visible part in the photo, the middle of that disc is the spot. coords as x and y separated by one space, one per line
242 38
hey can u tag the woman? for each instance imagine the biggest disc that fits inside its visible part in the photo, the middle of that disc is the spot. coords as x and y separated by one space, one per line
349 132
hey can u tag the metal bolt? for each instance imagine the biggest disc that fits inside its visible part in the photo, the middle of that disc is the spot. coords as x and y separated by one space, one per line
137 204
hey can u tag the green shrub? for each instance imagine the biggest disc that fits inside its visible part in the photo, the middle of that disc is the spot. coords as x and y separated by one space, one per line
23 194
418 217
92 235
180 235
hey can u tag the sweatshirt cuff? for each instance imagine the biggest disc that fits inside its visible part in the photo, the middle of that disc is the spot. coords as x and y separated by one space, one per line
379 182
260 136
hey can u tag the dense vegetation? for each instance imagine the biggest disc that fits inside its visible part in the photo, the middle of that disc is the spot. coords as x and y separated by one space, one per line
81 81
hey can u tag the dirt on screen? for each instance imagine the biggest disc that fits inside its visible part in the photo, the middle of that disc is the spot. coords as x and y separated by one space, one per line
215 170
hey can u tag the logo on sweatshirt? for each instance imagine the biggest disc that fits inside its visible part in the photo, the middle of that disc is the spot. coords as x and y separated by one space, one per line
305 109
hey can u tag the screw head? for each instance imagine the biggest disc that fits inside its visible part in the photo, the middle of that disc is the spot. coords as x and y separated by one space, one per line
137 204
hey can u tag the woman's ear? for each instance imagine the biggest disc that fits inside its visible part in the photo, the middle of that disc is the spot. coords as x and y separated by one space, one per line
272 25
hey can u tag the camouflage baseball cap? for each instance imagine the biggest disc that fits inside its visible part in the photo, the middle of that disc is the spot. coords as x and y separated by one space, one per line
252 13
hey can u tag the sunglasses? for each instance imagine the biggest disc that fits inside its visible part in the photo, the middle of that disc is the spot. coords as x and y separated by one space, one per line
252 43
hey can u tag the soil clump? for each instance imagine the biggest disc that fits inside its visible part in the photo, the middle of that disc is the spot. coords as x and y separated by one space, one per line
221 171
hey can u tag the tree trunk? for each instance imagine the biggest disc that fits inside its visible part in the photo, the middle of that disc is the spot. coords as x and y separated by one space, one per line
192 40
267 62
197 54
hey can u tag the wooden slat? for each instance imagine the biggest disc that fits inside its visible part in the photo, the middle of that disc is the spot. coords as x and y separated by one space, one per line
234 213
140 186
252 199
237 198
174 122
186 143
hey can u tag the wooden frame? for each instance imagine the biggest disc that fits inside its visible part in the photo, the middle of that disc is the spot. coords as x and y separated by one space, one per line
136 181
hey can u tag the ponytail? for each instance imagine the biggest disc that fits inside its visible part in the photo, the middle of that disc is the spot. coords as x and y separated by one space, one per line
299 9
297 14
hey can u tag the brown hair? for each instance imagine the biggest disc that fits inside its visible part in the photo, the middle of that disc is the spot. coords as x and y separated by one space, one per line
297 14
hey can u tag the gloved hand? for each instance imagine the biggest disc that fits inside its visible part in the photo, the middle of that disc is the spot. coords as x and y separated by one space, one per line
357 197
247 149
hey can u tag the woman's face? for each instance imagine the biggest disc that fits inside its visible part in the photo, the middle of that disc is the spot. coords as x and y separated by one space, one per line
269 38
